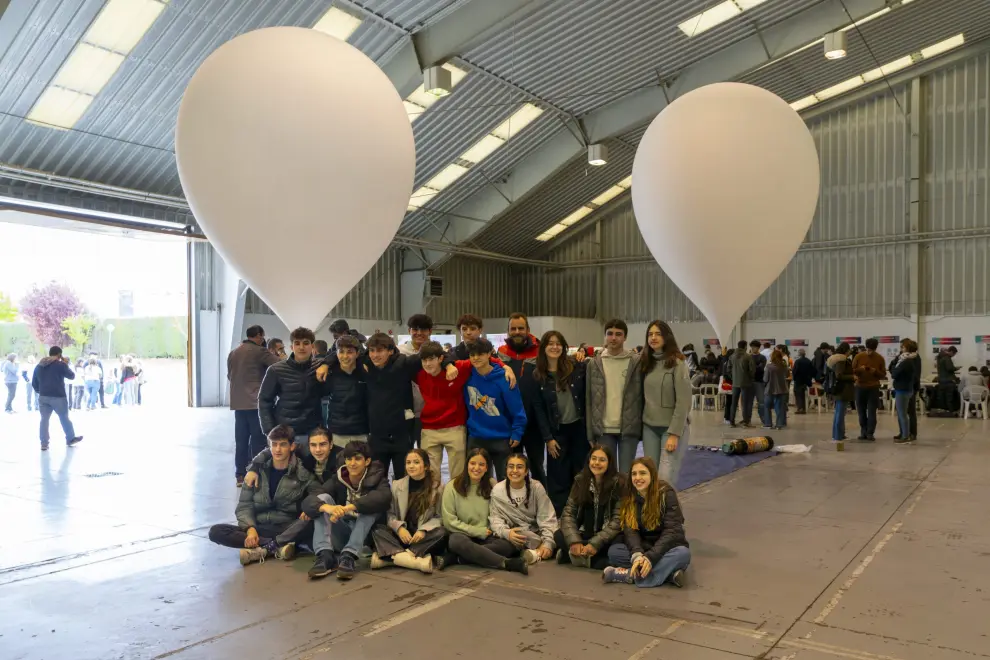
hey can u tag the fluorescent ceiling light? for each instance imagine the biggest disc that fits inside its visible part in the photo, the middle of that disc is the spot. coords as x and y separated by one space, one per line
556 229
447 176
943 46
338 23
577 215
806 102
625 183
59 108
544 237
716 15
608 195
888 69
88 69
122 23
841 88
519 120
421 197
485 147
420 100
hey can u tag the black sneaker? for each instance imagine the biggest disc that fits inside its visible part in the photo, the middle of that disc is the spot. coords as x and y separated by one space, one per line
75 441
903 441
517 565
44 446
677 579
347 567
563 557
861 437
446 560
325 564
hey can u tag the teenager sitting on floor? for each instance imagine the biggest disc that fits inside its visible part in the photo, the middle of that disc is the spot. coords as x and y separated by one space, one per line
590 521
521 512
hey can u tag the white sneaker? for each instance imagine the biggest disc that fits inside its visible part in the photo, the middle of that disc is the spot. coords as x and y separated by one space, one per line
251 555
287 552
377 562
531 556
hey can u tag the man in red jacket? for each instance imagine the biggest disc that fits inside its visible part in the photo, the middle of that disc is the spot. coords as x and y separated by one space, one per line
519 347
444 411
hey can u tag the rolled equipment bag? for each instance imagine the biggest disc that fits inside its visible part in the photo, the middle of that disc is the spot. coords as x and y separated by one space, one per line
748 445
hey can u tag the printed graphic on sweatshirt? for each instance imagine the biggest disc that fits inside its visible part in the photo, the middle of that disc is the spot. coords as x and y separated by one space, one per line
482 402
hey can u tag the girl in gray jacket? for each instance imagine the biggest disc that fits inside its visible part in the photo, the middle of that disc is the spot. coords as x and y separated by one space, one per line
521 512
666 400
414 531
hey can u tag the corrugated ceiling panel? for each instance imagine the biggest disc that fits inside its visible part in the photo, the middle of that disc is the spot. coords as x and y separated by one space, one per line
410 14
582 54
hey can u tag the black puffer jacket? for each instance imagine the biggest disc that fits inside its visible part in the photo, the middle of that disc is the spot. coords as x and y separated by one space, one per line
389 396
348 394
372 495
596 523
542 397
655 543
290 395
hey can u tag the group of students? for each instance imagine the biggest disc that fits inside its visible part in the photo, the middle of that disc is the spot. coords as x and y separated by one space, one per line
338 500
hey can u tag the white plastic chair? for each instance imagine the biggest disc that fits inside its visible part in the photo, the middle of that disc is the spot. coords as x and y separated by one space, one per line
816 397
975 396
709 392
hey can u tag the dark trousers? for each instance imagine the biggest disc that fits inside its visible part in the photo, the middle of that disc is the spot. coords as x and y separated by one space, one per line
488 553
801 397
11 392
573 441
536 448
746 394
416 430
249 440
102 405
78 391
599 562
498 451
387 542
913 415
392 449
232 536
867 401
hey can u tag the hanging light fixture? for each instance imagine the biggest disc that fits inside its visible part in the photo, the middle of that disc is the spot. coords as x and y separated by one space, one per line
597 154
436 81
835 45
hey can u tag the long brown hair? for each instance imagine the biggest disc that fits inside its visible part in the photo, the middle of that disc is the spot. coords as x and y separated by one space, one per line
651 501
463 481
564 365
426 497
671 353
777 358
585 478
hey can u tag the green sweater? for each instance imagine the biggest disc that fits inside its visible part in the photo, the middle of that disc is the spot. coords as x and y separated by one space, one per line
467 515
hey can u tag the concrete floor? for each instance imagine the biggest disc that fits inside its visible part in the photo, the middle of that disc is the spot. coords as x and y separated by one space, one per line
880 552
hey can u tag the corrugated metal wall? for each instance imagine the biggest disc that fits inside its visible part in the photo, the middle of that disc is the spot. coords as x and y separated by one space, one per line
956 273
486 288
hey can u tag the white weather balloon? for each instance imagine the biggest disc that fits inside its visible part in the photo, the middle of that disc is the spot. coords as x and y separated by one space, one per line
724 187
297 158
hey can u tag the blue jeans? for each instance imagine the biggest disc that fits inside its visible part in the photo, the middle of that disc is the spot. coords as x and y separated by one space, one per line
654 446
901 402
93 390
762 407
777 403
60 406
675 559
346 535
839 421
624 449
31 396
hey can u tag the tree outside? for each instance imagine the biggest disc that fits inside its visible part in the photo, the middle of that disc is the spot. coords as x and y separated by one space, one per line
46 309
79 329
7 310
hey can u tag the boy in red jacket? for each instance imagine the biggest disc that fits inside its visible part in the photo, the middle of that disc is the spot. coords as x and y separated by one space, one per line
444 413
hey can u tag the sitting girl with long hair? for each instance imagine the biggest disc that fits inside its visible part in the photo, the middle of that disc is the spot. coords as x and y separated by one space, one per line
521 512
590 521
414 530
654 549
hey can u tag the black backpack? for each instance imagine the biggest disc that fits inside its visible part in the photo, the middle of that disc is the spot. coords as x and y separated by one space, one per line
831 384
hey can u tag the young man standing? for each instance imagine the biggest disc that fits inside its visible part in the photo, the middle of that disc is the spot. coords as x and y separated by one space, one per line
519 347
496 416
614 394
743 388
246 367
341 328
420 329
289 394
277 348
345 509
869 368
49 382
759 387
348 394
268 518
470 327
803 375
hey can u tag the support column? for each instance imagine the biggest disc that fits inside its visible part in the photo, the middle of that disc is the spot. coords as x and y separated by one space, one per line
412 293
917 220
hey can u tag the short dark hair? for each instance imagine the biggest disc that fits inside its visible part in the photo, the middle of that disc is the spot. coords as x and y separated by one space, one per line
480 346
321 346
872 343
974 370
824 346
741 345
420 322
469 320
273 342
282 432
755 344
767 344
378 340
688 347
356 448
302 333
519 315
349 341
340 326
843 348
255 331
617 324
911 345
319 431
953 350
431 349
54 351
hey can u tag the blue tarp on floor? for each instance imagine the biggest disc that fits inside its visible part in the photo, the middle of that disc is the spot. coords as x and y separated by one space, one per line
701 465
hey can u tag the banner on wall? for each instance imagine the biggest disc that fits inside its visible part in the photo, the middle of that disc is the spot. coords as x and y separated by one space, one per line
713 343
983 349
939 342
852 341
771 341
798 343
889 346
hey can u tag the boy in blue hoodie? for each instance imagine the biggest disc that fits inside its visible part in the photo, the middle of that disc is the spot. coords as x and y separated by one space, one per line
496 417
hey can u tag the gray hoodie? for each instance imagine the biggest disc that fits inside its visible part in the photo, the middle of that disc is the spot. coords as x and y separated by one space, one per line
537 519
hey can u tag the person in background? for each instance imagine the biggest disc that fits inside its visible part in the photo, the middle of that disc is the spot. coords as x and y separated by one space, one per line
691 358
614 395
973 387
709 363
589 522
743 390
804 376
819 358
268 519
557 385
985 372
277 348
288 395
420 329
725 384
759 386
320 349
666 400
414 530
869 368
906 382
519 347
470 327
80 388
339 328
842 392
94 376
654 548
128 382
580 355
10 380
775 377
246 367
639 350
49 382
93 355
496 415
766 350
27 373
522 514
947 369
140 377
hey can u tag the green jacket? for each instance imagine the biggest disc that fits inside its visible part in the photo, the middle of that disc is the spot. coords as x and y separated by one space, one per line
255 507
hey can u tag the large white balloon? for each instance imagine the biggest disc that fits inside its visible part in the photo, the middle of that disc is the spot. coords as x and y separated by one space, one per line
724 187
297 158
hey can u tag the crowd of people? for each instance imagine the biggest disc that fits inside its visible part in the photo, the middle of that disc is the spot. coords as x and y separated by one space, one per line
559 433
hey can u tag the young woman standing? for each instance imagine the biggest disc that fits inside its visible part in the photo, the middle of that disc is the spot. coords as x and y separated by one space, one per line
556 389
590 521
414 530
775 377
654 548
666 400
465 507
521 512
